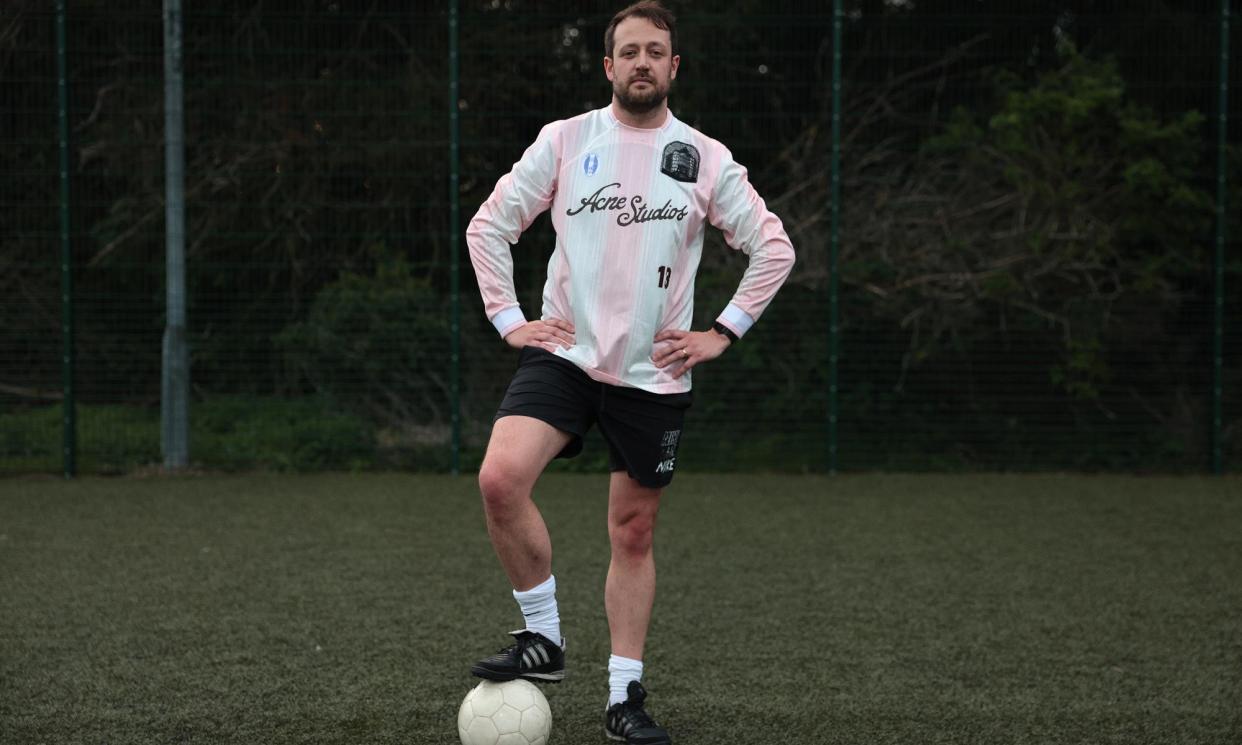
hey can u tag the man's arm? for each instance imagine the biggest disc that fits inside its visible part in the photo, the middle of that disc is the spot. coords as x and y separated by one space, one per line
519 197
748 226
740 213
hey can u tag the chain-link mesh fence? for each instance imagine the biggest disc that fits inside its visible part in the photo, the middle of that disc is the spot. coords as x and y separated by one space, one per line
1027 239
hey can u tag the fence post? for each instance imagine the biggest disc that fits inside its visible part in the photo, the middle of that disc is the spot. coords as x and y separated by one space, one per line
834 243
69 418
454 239
1218 465
175 376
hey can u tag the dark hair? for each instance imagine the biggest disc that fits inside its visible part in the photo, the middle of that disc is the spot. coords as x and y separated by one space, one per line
660 17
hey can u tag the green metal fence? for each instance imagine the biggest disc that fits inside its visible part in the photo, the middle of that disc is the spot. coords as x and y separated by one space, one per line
1017 229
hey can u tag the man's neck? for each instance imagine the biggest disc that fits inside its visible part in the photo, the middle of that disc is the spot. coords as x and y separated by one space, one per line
653 119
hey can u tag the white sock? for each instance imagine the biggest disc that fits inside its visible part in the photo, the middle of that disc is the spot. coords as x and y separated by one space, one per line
621 670
539 607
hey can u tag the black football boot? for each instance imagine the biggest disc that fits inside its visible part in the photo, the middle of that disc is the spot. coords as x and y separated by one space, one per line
533 656
627 721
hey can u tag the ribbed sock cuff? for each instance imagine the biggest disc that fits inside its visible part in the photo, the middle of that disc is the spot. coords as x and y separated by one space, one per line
538 606
621 670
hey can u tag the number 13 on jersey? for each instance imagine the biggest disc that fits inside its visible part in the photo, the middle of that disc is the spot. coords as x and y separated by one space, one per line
666 273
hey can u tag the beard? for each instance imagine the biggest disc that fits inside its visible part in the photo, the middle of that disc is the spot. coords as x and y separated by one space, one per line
640 102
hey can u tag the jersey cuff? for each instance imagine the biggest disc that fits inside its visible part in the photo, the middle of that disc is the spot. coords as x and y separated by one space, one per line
735 319
507 320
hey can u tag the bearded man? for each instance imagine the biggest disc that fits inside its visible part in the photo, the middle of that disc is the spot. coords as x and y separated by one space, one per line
631 189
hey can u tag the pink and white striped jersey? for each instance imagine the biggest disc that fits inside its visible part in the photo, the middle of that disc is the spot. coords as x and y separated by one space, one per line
629 207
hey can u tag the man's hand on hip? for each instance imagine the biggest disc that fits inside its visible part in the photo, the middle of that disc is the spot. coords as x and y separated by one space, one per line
548 334
689 348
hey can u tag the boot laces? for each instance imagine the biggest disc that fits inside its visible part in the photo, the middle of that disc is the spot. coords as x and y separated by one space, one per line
634 713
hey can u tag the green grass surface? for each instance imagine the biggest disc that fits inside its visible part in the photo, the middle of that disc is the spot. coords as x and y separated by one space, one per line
863 609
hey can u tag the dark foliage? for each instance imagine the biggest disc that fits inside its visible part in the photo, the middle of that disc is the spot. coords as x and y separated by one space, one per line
1026 256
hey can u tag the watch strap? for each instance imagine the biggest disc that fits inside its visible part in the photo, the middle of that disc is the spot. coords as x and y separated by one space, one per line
724 330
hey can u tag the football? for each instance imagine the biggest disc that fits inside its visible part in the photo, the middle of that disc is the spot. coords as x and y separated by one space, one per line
510 713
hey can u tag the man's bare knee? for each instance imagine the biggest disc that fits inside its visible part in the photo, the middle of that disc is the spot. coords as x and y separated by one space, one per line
633 534
504 486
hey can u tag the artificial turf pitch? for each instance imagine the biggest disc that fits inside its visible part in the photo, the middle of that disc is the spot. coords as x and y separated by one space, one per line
791 609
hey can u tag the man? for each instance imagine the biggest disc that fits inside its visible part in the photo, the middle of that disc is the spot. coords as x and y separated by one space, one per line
630 188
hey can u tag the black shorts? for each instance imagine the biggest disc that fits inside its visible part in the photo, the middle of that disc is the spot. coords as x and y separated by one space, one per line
642 429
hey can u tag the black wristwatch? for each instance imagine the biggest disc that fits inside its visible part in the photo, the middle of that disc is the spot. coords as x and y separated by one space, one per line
722 329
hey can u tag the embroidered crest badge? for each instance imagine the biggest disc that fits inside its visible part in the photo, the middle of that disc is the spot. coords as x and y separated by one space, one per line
681 162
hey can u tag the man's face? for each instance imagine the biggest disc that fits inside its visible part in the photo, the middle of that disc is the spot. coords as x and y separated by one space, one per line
642 66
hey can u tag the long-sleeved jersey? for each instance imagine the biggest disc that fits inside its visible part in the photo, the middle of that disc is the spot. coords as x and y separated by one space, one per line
629 207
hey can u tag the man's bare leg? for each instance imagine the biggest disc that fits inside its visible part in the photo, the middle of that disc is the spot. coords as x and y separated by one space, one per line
629 591
519 449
